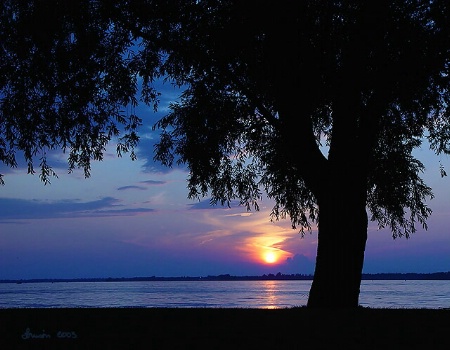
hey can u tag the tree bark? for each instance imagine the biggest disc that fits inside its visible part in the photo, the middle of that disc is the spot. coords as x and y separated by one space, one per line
340 252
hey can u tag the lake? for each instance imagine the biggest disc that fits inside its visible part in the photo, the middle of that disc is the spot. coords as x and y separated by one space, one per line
214 294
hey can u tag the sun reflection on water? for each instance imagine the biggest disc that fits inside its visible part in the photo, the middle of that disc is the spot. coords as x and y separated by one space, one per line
270 294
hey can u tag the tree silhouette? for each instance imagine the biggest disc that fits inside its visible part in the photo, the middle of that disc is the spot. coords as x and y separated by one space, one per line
268 83
65 79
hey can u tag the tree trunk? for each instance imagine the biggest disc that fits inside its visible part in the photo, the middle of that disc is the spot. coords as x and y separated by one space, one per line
340 251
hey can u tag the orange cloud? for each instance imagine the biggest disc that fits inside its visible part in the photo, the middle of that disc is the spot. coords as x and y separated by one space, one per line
251 235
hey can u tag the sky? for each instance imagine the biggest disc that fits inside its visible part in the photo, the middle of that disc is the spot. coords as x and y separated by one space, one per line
133 219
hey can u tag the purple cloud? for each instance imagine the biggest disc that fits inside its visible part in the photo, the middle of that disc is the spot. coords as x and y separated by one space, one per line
131 188
14 209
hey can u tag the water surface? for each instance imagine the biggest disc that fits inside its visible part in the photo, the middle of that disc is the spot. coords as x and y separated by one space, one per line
224 294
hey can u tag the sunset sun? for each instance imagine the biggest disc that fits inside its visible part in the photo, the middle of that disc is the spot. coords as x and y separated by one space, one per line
270 257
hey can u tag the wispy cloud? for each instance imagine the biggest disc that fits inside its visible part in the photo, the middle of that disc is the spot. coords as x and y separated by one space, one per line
240 214
153 182
123 188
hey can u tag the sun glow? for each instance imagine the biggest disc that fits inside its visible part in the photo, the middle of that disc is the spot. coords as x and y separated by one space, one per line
270 257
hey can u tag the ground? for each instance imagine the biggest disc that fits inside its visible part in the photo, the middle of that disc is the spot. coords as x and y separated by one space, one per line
217 328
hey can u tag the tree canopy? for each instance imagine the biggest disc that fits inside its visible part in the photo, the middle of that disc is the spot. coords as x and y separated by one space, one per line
368 79
265 81
65 79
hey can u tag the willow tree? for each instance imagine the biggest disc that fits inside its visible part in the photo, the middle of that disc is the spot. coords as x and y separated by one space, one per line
267 84
65 81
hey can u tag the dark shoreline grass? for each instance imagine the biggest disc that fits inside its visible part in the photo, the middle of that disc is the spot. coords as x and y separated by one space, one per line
223 328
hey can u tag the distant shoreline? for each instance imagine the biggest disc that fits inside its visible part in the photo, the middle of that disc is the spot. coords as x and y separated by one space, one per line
227 277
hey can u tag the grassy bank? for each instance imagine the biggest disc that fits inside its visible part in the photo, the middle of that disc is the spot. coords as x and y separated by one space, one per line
215 328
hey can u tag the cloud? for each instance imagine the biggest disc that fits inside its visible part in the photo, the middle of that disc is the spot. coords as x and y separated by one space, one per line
121 212
14 209
55 159
205 204
131 188
299 263
149 137
142 188
240 214
5 169
145 153
153 182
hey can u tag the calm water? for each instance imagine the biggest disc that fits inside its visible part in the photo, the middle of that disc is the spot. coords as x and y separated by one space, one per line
228 294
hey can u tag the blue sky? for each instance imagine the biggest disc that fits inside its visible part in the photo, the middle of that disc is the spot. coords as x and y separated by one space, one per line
133 218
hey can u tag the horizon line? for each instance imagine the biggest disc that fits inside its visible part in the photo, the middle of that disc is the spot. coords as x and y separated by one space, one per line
227 277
